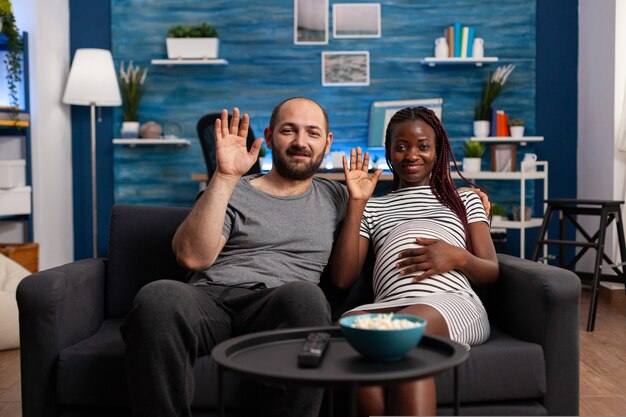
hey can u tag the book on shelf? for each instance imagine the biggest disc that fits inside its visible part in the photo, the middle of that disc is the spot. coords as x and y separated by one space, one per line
502 123
470 41
10 115
493 122
464 33
457 39
14 123
449 33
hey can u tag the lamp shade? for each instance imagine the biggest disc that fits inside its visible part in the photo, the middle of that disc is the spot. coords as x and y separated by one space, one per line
92 79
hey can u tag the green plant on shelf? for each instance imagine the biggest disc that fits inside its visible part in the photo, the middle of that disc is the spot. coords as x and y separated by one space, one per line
131 79
203 30
492 88
498 210
12 60
473 149
516 122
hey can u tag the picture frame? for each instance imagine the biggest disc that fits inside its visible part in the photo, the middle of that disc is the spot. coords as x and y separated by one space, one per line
310 22
345 68
356 20
382 111
503 158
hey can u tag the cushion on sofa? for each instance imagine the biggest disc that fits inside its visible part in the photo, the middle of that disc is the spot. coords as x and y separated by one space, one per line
11 273
502 369
91 372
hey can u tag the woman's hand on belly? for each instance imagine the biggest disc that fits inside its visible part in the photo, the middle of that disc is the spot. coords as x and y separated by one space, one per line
433 257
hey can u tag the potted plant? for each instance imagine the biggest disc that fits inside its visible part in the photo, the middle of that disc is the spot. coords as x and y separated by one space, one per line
12 60
491 90
192 42
472 153
131 79
517 128
498 212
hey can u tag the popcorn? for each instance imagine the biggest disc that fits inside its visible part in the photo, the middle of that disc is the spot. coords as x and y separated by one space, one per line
383 322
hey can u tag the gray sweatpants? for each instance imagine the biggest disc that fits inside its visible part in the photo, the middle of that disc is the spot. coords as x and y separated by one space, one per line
170 324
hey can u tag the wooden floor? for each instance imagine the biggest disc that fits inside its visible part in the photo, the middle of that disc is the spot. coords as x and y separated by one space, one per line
602 365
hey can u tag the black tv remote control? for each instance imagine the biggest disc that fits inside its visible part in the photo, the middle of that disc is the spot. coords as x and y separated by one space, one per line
313 349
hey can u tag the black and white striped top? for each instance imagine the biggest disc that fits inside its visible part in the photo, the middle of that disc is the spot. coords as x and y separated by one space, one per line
392 222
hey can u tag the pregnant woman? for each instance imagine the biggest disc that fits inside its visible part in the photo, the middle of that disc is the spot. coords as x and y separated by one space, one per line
432 245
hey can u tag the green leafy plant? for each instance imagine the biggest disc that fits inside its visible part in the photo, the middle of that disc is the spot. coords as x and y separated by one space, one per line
516 122
12 59
491 90
498 210
203 30
132 79
262 151
473 149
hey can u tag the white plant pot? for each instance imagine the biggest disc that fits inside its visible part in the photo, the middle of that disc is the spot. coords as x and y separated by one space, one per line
192 48
481 128
517 131
130 130
471 164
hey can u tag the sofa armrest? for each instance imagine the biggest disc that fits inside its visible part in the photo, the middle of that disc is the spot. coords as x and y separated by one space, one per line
540 303
58 307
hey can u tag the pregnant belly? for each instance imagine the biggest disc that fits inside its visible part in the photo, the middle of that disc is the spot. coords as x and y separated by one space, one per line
401 238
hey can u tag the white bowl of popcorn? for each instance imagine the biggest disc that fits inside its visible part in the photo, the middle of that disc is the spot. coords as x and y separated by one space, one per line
383 337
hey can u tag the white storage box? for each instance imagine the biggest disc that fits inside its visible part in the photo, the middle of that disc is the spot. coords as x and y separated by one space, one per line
12 173
15 201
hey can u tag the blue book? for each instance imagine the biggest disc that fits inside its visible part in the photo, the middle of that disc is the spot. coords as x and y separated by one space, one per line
470 41
493 126
457 39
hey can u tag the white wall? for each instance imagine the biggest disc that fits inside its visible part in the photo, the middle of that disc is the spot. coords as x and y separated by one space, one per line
601 81
47 23
619 190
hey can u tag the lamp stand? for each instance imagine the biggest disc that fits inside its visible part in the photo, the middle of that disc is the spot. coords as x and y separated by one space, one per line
94 208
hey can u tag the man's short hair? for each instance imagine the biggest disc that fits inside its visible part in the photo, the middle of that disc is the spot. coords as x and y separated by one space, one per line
280 105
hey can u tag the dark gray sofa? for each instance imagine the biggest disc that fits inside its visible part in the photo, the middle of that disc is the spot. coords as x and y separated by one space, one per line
72 352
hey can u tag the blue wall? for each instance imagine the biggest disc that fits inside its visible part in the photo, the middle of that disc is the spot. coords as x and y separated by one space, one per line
265 67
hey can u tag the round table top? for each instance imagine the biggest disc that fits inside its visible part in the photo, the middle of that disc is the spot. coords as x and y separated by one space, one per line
273 356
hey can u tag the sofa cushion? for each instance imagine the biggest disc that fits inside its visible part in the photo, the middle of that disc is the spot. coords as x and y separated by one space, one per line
92 373
502 369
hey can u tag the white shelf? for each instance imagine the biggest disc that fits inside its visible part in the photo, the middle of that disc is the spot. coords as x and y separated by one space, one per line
490 175
508 139
432 61
512 224
170 62
135 142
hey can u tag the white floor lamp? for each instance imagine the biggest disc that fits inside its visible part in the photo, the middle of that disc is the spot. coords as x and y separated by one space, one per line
93 82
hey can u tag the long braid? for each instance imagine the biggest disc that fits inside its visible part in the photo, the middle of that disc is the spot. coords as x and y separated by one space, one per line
440 179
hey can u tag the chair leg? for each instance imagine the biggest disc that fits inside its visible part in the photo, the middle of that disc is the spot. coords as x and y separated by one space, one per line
591 320
542 233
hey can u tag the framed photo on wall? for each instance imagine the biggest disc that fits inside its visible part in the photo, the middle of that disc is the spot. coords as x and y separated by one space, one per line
504 158
356 20
382 111
345 68
310 22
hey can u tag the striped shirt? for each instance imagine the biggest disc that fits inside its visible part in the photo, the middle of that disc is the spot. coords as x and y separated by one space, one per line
392 222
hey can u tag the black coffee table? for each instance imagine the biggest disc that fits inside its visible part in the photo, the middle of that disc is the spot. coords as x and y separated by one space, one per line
271 356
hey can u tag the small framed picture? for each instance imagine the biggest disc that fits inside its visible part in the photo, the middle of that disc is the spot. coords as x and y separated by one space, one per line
356 20
310 22
504 158
345 68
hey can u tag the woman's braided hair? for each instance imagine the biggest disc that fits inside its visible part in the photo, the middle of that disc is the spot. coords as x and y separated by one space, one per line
440 179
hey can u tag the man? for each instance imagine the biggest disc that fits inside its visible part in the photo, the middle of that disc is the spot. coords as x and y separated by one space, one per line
262 242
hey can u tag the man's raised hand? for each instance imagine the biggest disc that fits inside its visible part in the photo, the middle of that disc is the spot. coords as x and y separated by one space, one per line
233 157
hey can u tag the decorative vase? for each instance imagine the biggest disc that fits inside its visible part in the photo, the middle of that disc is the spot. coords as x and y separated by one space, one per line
192 48
517 131
471 164
130 130
481 128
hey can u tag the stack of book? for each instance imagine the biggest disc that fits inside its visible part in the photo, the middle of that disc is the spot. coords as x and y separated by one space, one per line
499 123
460 40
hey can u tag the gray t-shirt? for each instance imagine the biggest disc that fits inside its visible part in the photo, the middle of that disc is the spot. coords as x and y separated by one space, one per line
274 240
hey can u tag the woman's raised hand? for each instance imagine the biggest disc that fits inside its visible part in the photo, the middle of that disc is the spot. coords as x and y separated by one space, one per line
233 157
360 184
